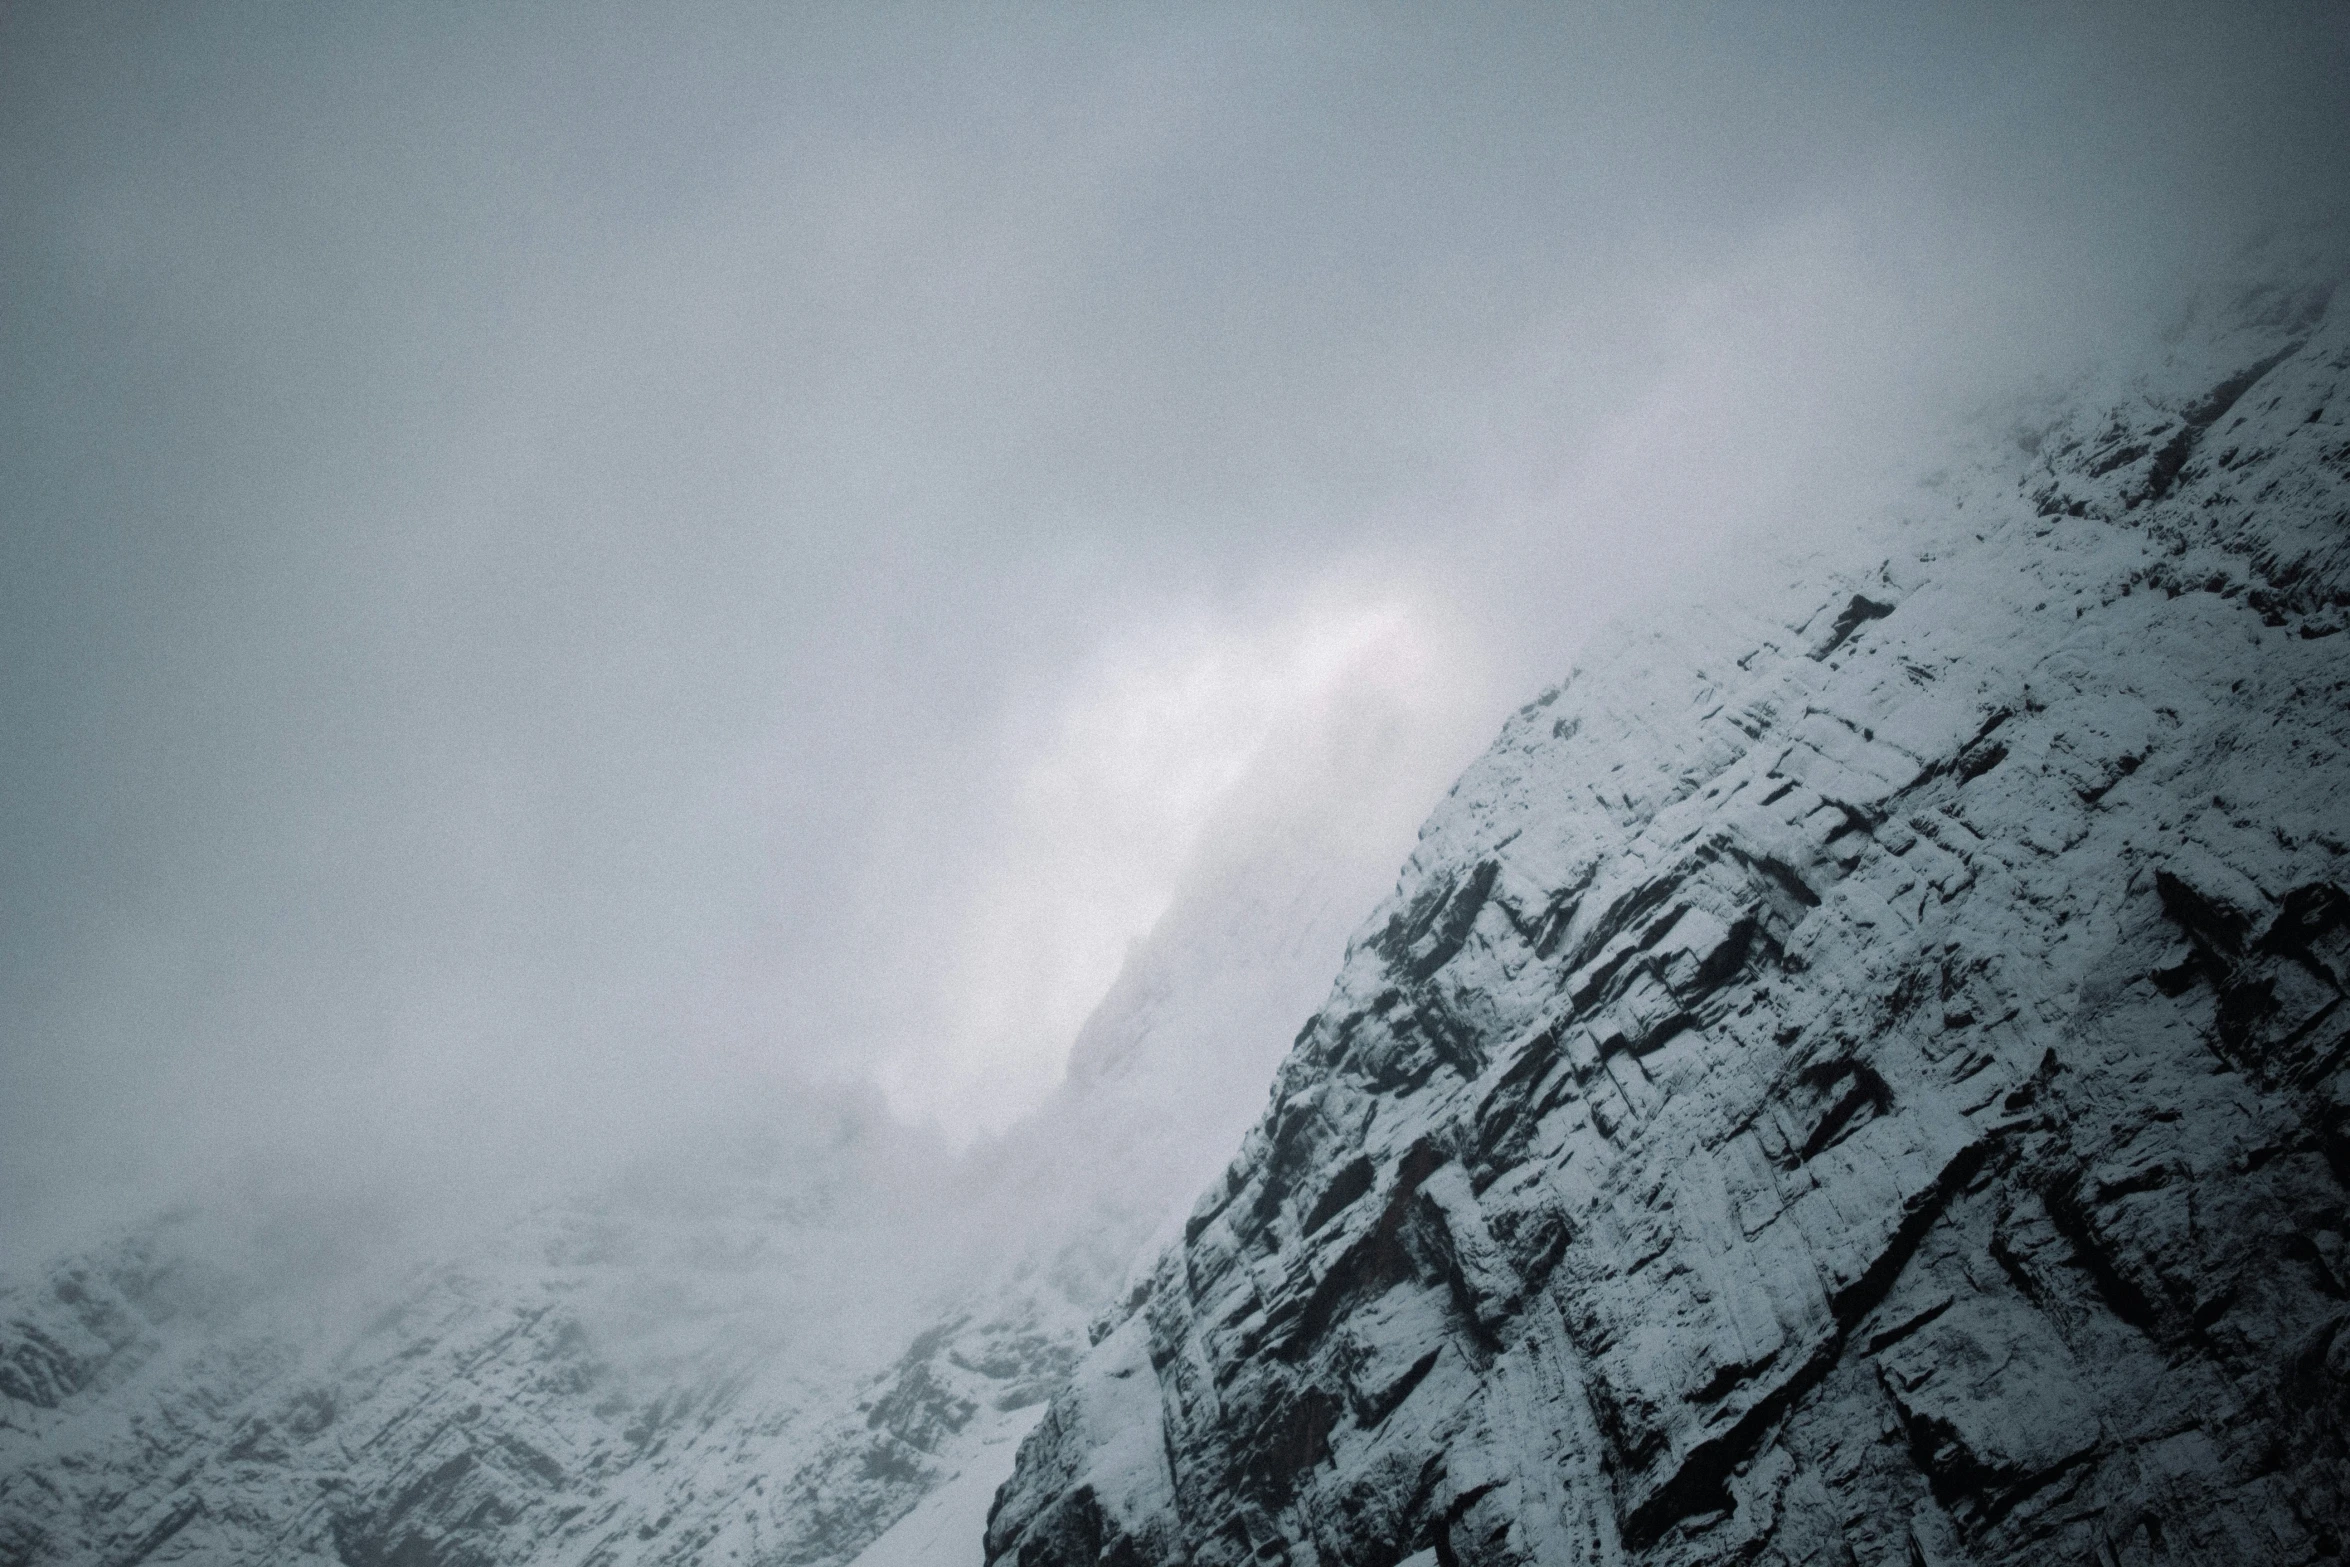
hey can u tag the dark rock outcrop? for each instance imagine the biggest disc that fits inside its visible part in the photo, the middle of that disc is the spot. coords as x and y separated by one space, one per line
1865 1084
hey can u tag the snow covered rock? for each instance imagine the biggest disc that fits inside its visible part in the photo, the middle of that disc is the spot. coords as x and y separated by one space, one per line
1860 1076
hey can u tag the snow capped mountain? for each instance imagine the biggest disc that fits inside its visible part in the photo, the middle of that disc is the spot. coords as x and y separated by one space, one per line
1860 1074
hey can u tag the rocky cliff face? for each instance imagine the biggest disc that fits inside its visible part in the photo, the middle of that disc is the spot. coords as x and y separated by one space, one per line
1858 1075
1863 1077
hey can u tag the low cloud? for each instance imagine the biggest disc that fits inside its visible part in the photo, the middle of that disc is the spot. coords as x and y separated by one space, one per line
564 567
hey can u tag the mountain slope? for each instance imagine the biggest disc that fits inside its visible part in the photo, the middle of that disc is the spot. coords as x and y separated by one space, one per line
804 1337
1861 1077
588 1370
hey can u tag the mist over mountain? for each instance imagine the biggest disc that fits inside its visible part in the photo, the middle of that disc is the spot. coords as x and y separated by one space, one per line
797 1329
1859 1064
568 566
696 706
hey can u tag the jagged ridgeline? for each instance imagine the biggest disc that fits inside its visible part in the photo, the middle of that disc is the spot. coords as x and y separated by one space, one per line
1863 1083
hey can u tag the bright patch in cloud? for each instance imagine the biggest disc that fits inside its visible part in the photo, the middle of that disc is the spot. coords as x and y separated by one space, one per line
1123 776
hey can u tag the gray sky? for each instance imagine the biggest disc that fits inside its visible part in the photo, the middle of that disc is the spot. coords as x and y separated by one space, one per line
561 565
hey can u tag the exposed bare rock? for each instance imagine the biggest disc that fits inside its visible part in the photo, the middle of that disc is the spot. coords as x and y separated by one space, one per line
1857 1079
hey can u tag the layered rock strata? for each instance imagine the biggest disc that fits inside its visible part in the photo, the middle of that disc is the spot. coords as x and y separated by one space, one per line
1861 1080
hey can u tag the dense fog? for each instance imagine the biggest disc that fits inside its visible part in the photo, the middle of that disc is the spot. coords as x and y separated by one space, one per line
571 574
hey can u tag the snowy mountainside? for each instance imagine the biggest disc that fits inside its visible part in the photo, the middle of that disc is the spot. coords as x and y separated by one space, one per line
810 1338
579 1369
1859 1075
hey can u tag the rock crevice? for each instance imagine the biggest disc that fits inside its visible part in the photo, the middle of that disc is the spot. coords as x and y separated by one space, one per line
1865 1080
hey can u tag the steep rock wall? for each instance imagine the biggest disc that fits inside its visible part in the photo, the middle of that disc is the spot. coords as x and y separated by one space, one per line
1866 1080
